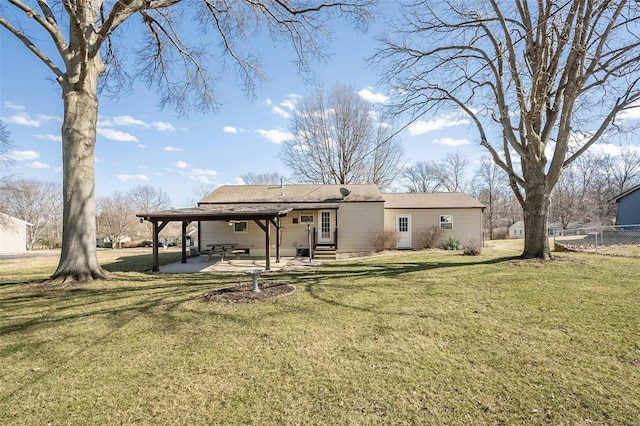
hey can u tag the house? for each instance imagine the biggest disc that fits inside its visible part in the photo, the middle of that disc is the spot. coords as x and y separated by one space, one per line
517 230
13 235
456 213
628 207
340 218
292 220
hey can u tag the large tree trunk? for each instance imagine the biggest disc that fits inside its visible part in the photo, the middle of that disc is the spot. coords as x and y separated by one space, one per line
79 261
536 210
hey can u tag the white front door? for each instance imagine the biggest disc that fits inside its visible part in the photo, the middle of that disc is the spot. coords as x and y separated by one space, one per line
326 226
403 229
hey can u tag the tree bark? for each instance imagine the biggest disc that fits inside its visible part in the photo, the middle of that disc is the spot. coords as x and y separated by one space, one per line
78 260
536 210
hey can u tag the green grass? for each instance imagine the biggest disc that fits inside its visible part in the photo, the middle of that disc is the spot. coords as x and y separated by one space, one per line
403 339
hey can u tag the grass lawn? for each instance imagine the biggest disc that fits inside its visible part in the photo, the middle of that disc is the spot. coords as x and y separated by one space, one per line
428 338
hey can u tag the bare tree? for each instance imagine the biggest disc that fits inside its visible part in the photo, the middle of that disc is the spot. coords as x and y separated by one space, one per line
421 177
447 174
450 172
36 202
116 217
567 198
178 67
145 199
5 144
338 140
535 78
273 178
491 184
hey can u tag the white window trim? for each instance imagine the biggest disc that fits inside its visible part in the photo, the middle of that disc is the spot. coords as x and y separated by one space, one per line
246 228
446 223
306 213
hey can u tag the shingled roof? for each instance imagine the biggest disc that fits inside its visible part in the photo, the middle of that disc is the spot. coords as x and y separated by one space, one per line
231 194
433 200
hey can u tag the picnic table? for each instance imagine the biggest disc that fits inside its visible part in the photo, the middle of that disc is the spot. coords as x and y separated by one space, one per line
222 248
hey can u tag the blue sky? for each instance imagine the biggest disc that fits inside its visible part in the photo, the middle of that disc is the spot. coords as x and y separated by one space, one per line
138 143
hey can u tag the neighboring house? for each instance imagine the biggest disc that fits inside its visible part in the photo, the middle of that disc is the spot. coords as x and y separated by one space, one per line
628 207
340 218
13 235
517 230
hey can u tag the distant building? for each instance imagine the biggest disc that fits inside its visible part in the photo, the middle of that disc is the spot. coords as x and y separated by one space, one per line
628 207
517 230
13 235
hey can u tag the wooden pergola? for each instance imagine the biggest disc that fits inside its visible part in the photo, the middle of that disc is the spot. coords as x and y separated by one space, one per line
262 214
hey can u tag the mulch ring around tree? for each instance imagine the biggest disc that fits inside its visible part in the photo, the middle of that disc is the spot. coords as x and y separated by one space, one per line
242 293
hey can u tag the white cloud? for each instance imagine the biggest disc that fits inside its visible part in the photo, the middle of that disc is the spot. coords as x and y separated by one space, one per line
632 113
14 106
24 155
38 165
200 175
282 113
275 135
163 126
172 149
43 117
126 178
127 120
267 101
117 135
22 119
384 125
229 129
420 127
49 137
375 98
141 145
182 164
452 142
104 122
57 169
285 107
602 149
204 172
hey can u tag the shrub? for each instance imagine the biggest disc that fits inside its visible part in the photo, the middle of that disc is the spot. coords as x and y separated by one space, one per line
452 243
472 248
384 240
428 237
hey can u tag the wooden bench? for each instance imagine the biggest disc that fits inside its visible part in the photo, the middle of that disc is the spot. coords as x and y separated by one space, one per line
237 253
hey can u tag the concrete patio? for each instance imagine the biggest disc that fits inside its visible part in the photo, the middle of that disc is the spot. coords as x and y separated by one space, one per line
201 264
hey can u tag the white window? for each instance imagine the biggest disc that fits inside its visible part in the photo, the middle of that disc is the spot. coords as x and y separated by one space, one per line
306 216
446 221
240 227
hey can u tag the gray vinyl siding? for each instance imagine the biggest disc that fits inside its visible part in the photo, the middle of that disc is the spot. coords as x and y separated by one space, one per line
629 209
467 223
357 223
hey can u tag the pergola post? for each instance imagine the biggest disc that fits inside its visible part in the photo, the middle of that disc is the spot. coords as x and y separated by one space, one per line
277 240
157 228
156 260
268 245
184 242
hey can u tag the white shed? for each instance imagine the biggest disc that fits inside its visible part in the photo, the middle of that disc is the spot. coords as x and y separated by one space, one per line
517 230
13 235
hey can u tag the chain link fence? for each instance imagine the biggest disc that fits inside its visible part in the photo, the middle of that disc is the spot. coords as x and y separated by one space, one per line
597 238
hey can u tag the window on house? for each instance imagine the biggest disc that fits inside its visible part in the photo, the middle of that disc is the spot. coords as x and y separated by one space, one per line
446 221
306 216
240 227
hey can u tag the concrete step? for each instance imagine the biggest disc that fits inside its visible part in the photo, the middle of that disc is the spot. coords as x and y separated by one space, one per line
325 253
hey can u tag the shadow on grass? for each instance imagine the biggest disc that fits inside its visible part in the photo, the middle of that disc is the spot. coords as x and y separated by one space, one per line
336 276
